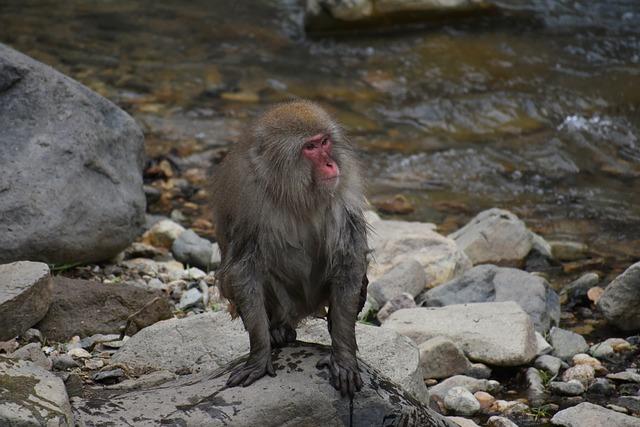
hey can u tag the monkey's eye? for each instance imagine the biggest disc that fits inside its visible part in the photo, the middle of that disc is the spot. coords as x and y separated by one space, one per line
325 141
309 146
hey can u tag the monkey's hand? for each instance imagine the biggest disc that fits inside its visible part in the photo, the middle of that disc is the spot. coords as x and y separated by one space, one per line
255 368
345 374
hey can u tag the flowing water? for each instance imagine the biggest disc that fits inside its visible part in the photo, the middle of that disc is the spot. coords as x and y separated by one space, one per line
534 110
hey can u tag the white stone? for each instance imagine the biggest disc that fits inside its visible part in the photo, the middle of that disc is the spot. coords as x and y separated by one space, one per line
497 333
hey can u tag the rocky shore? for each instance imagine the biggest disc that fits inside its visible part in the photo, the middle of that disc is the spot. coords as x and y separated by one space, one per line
109 315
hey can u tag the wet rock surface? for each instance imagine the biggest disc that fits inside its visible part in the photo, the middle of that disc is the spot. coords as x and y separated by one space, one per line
203 398
77 156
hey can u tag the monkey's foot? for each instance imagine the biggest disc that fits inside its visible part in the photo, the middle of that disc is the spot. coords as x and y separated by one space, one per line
282 335
252 371
344 377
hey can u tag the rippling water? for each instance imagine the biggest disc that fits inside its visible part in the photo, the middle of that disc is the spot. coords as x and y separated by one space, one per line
534 110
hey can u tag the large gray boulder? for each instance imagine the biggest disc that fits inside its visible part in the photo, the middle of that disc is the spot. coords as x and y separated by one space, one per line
299 395
71 164
487 283
211 340
496 333
620 302
32 396
25 295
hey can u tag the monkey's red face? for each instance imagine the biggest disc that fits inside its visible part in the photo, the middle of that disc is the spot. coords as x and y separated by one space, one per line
318 150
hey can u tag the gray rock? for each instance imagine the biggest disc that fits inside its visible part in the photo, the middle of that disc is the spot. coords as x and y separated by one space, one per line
494 236
590 415
625 376
441 358
548 364
396 303
32 335
543 346
191 249
479 371
632 403
85 308
25 291
576 291
32 396
190 298
63 362
536 394
496 421
570 388
463 422
393 242
33 353
110 376
61 139
216 256
460 401
472 384
620 302
488 283
602 386
408 276
203 399
566 344
204 341
211 340
496 333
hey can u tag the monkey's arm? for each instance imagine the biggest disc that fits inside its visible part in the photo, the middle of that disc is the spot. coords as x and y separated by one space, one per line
248 296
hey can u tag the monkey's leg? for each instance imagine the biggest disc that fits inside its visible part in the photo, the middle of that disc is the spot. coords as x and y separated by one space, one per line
282 335
342 362
249 299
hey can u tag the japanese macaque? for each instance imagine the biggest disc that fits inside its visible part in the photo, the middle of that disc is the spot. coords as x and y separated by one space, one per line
288 206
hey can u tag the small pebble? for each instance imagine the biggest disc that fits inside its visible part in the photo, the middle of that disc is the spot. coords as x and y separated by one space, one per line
569 388
583 373
93 364
79 353
460 401
109 377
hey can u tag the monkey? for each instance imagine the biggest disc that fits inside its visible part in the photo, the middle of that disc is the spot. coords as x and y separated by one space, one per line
288 211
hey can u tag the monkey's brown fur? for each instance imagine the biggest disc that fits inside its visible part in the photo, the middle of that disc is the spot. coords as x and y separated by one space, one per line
291 243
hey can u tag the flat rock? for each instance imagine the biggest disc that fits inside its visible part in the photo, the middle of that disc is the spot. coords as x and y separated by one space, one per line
488 283
589 415
25 294
299 394
32 396
494 236
496 333
71 165
406 277
33 353
549 364
393 242
85 308
620 303
567 344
